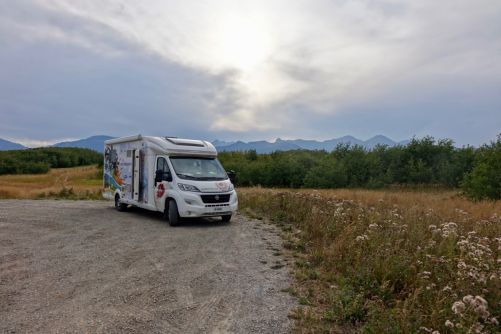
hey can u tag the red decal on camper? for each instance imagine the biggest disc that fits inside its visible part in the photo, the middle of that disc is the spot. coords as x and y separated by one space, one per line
160 190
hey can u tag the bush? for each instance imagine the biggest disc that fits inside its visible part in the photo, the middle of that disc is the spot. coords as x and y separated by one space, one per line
484 180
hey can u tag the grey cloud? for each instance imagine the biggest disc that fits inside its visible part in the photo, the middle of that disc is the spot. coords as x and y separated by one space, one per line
53 91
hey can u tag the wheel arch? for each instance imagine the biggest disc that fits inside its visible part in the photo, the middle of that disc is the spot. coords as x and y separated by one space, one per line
117 192
166 203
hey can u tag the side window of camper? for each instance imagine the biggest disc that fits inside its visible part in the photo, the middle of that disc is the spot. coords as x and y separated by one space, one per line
162 170
162 165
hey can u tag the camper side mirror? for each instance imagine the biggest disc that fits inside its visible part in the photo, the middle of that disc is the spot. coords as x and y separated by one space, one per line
160 176
232 175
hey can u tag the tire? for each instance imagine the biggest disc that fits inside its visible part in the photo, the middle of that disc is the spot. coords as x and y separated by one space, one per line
118 205
173 213
226 218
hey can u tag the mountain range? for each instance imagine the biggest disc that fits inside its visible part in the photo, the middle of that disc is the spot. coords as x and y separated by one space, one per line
263 146
96 143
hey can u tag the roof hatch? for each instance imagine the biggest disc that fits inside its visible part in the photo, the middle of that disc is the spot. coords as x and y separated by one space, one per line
185 142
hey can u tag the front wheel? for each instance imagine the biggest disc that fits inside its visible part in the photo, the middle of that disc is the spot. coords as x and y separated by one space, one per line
226 218
119 205
173 213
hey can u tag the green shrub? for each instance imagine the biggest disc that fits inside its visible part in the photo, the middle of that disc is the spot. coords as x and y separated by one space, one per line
484 180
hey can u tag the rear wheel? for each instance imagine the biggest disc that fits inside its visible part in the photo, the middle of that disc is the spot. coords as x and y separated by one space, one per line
173 213
119 205
226 218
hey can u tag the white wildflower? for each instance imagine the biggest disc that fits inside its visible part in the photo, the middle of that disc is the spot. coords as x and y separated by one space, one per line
425 275
362 237
468 299
458 307
476 328
449 324
480 307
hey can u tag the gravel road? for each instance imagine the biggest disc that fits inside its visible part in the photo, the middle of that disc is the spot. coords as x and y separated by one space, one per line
82 267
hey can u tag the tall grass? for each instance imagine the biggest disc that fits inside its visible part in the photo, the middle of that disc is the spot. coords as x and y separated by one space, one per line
388 261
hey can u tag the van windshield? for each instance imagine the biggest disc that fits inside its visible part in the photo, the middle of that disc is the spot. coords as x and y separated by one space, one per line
195 168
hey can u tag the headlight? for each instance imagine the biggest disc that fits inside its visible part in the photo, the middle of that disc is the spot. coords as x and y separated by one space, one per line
187 187
231 187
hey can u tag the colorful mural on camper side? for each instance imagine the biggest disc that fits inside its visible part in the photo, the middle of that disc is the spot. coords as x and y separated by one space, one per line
118 173
112 175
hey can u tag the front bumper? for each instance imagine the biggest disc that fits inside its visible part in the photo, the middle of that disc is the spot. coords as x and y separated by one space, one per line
191 205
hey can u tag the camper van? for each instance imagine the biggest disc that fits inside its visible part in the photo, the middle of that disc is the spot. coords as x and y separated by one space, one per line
179 177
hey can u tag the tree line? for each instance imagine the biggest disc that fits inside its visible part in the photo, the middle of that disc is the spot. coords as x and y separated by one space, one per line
423 161
40 160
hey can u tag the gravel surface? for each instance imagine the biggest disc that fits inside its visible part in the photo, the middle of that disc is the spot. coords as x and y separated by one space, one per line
82 267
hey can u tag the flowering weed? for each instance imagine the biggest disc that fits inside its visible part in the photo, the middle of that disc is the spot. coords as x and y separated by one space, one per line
383 262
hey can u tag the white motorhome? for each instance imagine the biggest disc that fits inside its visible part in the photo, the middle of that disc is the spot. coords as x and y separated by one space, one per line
179 177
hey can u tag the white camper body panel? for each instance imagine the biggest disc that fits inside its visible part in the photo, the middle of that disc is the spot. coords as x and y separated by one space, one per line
130 164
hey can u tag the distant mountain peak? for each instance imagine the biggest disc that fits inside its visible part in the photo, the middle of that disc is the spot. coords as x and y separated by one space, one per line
95 143
217 142
379 137
7 145
379 140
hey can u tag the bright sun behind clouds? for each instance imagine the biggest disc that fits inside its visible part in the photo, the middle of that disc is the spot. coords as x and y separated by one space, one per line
241 43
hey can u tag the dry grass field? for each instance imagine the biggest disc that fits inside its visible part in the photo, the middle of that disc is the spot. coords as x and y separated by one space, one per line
388 261
77 182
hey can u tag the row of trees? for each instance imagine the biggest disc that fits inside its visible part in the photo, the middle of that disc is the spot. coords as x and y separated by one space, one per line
40 160
422 161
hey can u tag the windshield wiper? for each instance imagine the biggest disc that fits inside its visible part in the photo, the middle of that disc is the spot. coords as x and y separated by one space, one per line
185 176
211 178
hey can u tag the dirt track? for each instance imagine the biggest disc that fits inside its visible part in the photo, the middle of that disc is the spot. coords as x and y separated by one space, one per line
81 266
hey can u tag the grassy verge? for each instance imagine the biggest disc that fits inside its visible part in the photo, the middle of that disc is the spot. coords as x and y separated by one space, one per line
69 183
388 261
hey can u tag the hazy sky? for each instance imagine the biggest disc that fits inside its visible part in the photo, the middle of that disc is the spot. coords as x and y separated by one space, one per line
250 69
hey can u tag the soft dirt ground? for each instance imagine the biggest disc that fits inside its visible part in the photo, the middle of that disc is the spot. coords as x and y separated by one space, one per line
82 267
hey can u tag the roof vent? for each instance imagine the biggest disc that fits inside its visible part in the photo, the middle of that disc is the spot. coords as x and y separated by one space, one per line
185 142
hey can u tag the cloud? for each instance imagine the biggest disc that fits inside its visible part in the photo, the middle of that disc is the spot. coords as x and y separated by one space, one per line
28 142
252 68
